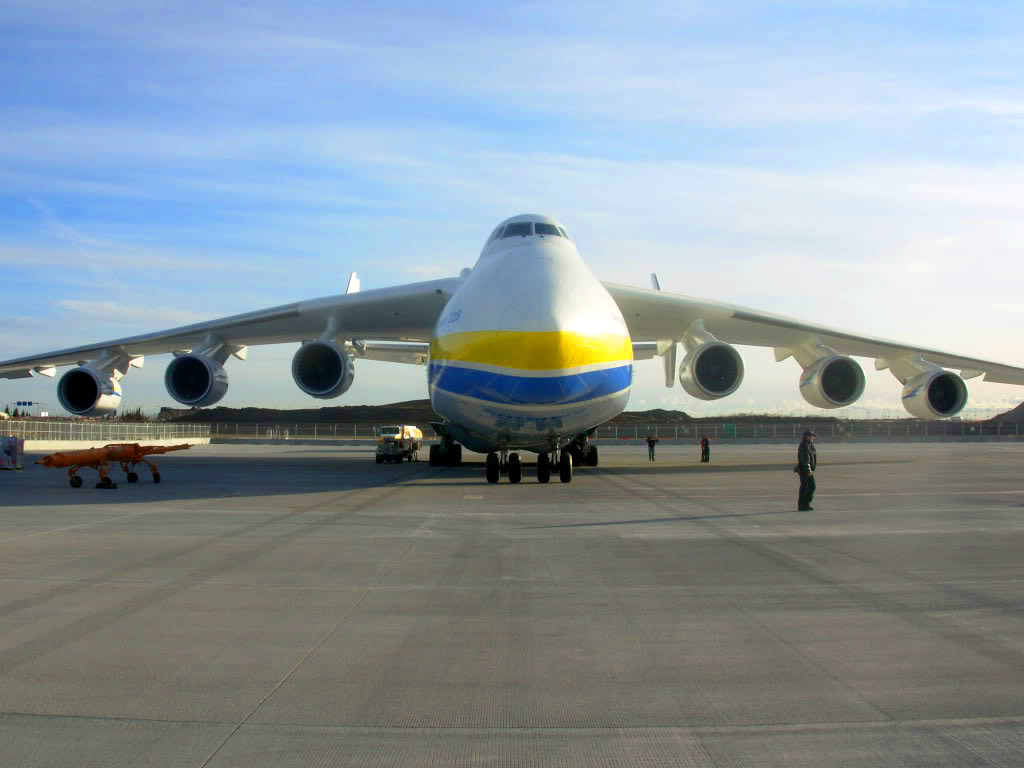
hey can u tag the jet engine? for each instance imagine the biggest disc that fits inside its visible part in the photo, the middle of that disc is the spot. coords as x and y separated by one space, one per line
196 380
935 394
85 391
323 369
711 370
832 382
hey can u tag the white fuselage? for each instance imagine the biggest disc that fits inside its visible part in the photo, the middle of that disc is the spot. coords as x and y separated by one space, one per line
530 349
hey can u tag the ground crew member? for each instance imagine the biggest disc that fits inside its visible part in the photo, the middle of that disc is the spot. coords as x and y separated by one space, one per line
651 442
705 449
806 463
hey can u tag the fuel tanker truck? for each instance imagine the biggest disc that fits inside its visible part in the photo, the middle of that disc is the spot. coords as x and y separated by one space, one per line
398 442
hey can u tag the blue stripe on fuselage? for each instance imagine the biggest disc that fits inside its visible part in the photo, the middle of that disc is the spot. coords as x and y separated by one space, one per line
530 390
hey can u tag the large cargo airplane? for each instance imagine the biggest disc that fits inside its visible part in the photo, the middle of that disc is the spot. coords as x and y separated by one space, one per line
525 351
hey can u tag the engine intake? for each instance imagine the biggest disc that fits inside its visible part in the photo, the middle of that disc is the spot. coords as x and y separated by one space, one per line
323 369
711 371
86 392
196 380
935 395
832 382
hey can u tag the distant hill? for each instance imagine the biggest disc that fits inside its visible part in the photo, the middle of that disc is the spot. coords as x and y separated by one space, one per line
1014 416
419 413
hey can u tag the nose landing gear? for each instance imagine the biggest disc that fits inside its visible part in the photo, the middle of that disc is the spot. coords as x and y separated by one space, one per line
565 467
543 468
512 465
515 468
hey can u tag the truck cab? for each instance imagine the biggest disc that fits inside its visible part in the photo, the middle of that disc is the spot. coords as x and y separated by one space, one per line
398 442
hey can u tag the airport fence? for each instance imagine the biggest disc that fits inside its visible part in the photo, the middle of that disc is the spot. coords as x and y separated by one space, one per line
101 431
902 430
842 430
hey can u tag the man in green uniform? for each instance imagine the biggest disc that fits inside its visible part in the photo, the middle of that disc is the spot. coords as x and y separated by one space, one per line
806 463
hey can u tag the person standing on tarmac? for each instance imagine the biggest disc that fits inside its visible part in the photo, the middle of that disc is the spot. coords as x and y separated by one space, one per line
806 463
651 442
705 449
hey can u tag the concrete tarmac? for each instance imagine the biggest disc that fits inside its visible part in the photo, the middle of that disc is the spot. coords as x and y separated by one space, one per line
301 605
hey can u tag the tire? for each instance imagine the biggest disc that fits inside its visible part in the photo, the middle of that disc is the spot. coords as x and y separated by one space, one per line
543 468
515 468
591 458
156 477
565 467
435 455
132 477
76 481
576 454
454 455
493 468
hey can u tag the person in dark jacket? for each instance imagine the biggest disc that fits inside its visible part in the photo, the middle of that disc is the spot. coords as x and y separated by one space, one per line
806 463
705 449
651 442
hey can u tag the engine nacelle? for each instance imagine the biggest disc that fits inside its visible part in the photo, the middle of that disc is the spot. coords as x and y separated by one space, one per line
196 380
323 369
935 394
86 392
832 382
712 370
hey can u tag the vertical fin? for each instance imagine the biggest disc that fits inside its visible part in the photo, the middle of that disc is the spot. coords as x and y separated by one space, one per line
353 284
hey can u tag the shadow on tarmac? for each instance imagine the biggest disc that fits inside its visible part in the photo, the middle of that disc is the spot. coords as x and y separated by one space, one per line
198 477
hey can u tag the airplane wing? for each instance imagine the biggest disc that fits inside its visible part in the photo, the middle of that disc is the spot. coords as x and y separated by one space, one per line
655 315
399 319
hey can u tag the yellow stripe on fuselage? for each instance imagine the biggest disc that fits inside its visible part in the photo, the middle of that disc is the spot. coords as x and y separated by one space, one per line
531 350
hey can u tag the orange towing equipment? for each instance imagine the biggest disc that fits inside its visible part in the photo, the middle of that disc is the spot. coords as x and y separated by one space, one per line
128 455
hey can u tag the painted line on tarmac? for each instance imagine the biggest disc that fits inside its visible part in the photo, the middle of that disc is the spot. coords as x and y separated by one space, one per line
81 525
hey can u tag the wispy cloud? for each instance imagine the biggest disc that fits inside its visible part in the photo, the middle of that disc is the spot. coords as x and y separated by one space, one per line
115 312
853 163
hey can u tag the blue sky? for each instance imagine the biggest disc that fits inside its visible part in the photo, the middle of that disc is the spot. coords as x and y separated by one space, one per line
852 163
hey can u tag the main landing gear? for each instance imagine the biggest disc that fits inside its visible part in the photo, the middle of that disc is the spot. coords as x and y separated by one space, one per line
445 454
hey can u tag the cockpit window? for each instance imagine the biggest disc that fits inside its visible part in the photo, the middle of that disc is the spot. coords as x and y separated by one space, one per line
496 234
517 229
546 229
564 233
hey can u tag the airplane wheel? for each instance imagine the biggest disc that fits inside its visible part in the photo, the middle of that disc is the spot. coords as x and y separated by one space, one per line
515 468
105 482
565 467
493 468
76 481
454 455
435 455
132 477
156 477
543 468
591 460
576 454
379 459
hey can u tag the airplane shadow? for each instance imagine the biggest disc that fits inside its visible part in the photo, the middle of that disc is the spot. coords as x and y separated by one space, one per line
194 477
